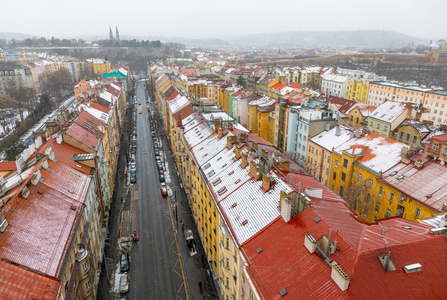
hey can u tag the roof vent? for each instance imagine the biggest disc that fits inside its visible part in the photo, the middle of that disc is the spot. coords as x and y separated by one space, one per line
72 208
70 191
259 250
244 222
317 219
340 277
413 268
283 292
40 192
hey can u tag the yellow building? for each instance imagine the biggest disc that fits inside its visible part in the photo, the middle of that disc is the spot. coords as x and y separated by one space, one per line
355 169
260 120
319 151
100 66
358 114
358 90
2 55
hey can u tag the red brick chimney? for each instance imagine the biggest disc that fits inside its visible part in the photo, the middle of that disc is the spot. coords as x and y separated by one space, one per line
244 163
238 151
283 165
266 184
255 145
230 140
219 132
265 154
255 170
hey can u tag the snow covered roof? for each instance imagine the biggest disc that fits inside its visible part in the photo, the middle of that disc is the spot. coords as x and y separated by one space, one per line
107 96
335 78
389 111
178 103
217 115
264 101
330 139
378 153
103 117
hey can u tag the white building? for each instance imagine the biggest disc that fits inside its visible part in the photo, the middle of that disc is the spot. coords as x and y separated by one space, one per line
335 85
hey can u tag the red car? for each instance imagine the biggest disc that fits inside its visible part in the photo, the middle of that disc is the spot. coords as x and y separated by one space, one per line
161 172
164 191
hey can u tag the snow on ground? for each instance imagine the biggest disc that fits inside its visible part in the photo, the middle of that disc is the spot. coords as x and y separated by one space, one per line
116 283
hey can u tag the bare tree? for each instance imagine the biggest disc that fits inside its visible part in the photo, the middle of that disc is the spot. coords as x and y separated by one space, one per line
360 196
22 95
55 83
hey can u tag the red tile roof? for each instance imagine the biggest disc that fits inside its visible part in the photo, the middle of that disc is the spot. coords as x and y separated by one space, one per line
342 104
293 98
285 262
8 166
40 227
64 153
183 113
188 72
82 135
295 85
278 86
19 283
99 107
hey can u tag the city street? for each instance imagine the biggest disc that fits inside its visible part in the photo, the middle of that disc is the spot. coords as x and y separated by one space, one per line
155 272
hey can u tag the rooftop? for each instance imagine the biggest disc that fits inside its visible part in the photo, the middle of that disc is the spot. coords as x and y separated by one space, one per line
389 111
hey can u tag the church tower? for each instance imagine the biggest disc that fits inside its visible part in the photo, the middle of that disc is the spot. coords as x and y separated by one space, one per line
117 35
110 33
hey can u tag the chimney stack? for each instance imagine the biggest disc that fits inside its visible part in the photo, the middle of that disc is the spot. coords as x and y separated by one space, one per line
219 132
255 170
243 136
282 165
255 145
238 151
230 141
244 163
266 182
285 206
265 154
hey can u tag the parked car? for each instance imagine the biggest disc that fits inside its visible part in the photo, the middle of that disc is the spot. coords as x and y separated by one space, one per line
157 152
133 179
162 178
161 172
155 145
124 283
124 262
164 191
160 166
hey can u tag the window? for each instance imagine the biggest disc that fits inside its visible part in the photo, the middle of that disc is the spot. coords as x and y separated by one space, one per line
418 212
334 176
435 146
378 126
343 176
401 134
380 191
370 183
360 177
341 191
377 206
408 137
345 163
388 212
414 139
332 187
88 284
385 128
368 197
336 163
445 151
391 197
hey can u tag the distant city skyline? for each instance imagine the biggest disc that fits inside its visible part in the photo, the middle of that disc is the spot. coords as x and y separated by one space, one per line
200 19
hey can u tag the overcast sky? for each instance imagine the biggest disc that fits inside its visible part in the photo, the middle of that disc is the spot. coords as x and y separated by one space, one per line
208 19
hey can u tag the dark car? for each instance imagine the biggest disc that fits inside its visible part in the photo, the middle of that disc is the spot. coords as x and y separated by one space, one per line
160 166
162 178
124 262
133 179
156 152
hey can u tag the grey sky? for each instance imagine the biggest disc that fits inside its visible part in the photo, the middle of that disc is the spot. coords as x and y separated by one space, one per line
204 18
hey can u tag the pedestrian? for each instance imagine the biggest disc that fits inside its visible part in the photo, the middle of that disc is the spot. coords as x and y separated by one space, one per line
200 286
183 227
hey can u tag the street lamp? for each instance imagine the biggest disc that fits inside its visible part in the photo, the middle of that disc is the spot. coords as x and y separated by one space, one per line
175 200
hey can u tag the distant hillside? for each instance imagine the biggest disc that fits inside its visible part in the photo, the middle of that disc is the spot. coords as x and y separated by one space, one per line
13 35
360 38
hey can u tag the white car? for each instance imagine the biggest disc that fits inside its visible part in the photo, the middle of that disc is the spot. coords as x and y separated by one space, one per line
124 283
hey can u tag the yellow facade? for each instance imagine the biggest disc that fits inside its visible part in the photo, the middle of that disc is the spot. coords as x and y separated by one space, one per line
318 162
358 90
2 56
355 118
230 265
101 68
252 118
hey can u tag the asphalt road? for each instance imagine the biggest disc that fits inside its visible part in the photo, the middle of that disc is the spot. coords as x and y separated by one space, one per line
155 271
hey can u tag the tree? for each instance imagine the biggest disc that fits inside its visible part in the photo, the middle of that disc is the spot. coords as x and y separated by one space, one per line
13 147
22 95
240 81
53 84
360 196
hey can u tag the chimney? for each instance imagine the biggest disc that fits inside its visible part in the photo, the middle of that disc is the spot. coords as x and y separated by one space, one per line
243 136
44 164
20 164
357 133
255 170
314 192
266 183
310 243
286 206
328 126
50 154
38 142
340 277
217 126
265 154
282 165
255 145
59 138
337 130
36 177
418 164
230 126
238 151
244 163
25 192
230 141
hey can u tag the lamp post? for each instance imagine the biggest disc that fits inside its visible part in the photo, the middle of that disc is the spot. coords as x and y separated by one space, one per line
175 189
